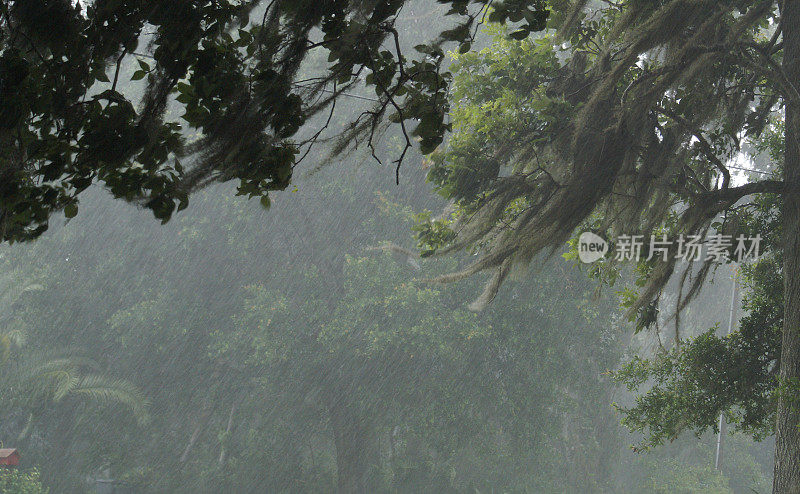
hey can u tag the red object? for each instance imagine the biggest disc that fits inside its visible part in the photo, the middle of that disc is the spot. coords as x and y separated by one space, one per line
9 457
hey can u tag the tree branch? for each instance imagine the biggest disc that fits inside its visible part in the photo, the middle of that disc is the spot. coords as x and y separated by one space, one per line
704 144
731 195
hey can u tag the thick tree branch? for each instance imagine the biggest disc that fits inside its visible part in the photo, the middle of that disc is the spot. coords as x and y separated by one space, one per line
731 195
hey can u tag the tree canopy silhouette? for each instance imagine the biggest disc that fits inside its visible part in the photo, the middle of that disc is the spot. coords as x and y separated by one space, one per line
232 68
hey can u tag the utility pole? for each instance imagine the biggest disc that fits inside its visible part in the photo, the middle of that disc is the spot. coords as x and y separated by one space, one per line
722 426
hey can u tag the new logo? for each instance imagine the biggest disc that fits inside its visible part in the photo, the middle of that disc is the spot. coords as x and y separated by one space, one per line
591 247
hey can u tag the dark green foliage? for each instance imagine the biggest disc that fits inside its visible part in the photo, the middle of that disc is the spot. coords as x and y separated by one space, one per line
689 386
232 66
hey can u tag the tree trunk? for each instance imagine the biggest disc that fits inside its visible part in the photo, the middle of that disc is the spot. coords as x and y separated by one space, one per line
205 414
352 436
787 437
227 435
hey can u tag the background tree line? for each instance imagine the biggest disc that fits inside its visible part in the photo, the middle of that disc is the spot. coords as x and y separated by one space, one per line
621 116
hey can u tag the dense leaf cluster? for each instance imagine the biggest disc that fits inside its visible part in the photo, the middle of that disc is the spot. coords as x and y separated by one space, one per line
691 384
625 119
230 69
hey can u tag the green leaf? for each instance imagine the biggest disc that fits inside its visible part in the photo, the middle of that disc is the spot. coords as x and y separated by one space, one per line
245 36
185 88
139 74
71 210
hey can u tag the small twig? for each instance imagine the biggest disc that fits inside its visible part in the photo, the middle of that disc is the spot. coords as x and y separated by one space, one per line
313 139
116 72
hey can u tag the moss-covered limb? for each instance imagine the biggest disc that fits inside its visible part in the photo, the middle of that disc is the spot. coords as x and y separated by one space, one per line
584 135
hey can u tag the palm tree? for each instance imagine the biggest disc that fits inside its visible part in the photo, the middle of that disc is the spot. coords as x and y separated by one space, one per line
33 382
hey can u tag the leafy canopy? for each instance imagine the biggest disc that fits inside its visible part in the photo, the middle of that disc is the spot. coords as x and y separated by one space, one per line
623 119
231 68
629 118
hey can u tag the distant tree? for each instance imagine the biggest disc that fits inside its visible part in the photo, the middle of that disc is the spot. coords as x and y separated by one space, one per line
388 358
627 121
35 381
503 399
232 66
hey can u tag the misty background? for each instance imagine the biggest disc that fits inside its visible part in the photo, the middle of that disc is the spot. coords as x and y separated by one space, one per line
298 348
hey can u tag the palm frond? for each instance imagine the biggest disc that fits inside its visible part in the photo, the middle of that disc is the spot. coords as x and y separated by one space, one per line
110 391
